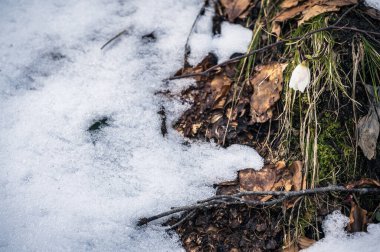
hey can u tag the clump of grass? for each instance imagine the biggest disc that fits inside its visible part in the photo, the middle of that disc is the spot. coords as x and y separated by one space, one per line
314 126
370 66
311 130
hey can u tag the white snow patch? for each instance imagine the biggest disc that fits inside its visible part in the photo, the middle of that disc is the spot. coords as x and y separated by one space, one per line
63 188
338 240
232 39
374 3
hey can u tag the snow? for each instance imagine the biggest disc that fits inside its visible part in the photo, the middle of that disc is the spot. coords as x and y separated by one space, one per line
338 240
64 189
233 39
373 3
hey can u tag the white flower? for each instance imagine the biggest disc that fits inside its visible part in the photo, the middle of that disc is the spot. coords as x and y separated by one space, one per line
300 78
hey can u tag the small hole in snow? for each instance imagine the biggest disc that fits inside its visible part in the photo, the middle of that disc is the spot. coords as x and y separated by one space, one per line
99 124
56 56
148 38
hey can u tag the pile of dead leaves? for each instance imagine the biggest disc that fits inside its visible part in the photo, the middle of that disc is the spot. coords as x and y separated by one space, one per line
223 111
242 228
245 228
235 228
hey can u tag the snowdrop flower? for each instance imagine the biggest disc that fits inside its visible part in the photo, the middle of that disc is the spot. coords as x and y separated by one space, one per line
300 78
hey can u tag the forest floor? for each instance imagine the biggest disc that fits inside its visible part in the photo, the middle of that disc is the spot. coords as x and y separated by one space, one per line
100 129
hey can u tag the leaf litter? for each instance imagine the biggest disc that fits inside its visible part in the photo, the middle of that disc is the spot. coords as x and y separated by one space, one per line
225 112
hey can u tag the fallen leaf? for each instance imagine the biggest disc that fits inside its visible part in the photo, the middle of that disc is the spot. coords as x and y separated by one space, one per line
290 13
195 127
304 242
234 8
308 9
315 11
276 28
209 61
358 219
262 180
288 3
291 247
220 85
373 13
296 170
363 182
267 87
368 129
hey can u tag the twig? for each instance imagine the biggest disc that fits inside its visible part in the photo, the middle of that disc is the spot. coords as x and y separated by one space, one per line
345 13
113 38
236 199
187 47
188 216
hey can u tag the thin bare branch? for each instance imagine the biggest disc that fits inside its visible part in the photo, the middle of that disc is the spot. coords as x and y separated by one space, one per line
236 199
113 38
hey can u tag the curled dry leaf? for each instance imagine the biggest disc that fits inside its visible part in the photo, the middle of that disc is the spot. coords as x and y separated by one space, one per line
270 178
368 129
296 170
276 28
267 87
209 61
220 86
304 242
363 182
306 10
290 247
234 8
373 13
262 180
358 219
315 11
288 3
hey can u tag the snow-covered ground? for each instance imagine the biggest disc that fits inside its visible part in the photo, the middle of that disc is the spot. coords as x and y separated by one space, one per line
338 240
65 189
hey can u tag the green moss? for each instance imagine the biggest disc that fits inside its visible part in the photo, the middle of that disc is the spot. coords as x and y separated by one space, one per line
335 154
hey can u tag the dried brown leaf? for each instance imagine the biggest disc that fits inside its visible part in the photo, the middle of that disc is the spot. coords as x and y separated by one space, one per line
296 170
216 117
292 247
267 87
363 182
234 8
304 242
209 61
373 13
368 129
358 219
262 180
276 28
288 3
195 127
290 13
310 9
314 11
220 86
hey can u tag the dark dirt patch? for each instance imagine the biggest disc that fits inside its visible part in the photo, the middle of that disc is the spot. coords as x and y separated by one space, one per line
232 229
